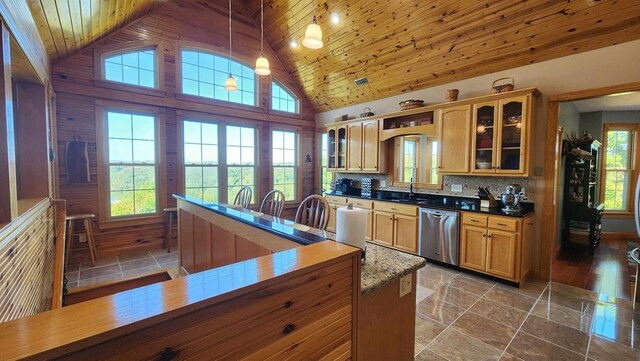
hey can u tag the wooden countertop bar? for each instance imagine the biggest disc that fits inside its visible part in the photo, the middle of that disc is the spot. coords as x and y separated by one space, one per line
93 323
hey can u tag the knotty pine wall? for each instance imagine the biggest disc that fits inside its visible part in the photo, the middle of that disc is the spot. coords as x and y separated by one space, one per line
176 23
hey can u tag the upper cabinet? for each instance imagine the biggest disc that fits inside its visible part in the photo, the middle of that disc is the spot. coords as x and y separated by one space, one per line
501 134
355 147
454 132
337 147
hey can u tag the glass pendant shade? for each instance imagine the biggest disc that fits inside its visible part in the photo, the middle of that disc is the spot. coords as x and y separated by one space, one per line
230 84
313 36
262 66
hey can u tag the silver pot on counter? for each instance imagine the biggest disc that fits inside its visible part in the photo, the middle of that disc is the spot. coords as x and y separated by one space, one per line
511 198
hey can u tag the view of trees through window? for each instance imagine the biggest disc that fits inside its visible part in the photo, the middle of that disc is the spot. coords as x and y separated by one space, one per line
134 67
241 164
409 160
132 163
284 163
325 175
201 160
618 168
204 74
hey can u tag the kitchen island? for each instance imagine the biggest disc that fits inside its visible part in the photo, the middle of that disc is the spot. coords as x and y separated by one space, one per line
212 235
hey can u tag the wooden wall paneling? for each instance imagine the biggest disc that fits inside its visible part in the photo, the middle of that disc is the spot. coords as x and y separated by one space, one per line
202 244
27 263
8 187
186 240
60 213
223 247
246 249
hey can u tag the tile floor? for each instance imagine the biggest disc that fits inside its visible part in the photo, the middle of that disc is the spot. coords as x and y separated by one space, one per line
463 317
113 268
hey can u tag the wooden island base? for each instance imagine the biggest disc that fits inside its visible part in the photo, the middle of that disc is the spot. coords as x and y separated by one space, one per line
386 323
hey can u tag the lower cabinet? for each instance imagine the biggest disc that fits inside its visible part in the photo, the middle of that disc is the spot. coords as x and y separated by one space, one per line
334 203
498 246
383 227
405 235
396 226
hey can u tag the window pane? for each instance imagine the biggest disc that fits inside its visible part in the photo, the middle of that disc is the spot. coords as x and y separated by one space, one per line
234 177
121 203
190 57
144 177
616 188
282 100
190 86
233 135
203 150
247 156
247 137
210 195
210 133
119 125
278 157
120 151
130 75
130 59
145 201
209 154
113 71
193 177
143 127
120 178
205 60
210 176
194 192
144 151
247 176
146 60
146 78
233 155
135 67
192 154
191 132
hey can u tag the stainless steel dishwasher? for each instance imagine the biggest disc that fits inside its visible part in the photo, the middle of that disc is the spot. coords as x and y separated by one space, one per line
439 235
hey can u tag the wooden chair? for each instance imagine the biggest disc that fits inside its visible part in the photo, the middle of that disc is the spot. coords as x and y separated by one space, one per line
243 197
86 220
273 203
169 214
313 212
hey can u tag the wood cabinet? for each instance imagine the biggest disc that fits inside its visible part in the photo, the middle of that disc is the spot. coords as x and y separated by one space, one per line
501 134
405 233
334 203
355 147
396 225
383 227
496 245
454 133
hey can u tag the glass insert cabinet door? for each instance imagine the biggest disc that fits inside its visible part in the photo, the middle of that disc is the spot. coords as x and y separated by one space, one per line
331 149
512 129
337 150
484 137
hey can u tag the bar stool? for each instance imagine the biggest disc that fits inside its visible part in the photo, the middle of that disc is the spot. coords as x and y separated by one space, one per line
169 214
86 220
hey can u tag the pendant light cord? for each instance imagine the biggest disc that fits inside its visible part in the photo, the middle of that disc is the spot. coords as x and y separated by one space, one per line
261 27
229 38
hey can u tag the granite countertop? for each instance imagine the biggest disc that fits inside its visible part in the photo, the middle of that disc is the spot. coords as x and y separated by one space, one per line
383 265
443 202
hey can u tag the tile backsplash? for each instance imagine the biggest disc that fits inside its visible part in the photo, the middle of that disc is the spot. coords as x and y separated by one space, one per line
469 184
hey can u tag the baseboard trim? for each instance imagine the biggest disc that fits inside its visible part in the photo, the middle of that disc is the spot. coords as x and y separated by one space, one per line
606 236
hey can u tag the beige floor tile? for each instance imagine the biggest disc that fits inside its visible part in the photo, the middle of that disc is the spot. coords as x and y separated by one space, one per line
509 357
531 289
100 262
556 333
134 255
574 291
563 315
499 312
531 348
168 265
613 331
417 348
574 302
438 274
100 271
470 285
603 350
509 298
454 345
163 251
427 329
616 301
167 257
621 315
141 271
139 263
427 355
454 296
439 311
429 284
485 330
99 279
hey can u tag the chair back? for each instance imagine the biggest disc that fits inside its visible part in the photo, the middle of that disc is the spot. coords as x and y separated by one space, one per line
273 203
313 212
243 197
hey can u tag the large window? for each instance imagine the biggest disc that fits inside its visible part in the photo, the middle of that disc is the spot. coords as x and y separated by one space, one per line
241 160
282 99
284 163
133 67
409 160
132 163
201 160
619 162
204 75
325 176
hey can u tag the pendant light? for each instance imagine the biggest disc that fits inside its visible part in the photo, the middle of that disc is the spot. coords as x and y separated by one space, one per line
262 64
313 35
230 84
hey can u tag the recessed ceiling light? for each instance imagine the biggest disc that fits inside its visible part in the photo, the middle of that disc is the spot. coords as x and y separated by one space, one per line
335 18
293 43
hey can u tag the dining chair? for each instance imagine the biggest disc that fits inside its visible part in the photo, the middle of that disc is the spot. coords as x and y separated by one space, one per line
273 203
313 212
243 197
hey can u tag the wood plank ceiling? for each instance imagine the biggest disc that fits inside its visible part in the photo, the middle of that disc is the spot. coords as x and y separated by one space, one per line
405 45
66 26
400 45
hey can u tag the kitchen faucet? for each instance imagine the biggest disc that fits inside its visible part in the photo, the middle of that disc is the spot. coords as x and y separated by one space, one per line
411 195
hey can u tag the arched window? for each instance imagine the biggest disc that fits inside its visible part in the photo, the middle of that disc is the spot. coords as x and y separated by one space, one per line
135 67
204 74
282 99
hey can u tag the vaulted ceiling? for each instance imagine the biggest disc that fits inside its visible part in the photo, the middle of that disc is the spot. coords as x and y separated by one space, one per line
400 45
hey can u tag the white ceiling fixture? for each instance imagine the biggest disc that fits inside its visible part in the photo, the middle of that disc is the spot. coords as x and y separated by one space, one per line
230 83
262 64
335 18
313 34
293 43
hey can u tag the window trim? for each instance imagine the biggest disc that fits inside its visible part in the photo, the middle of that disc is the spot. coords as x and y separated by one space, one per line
99 77
200 47
319 156
298 186
222 122
104 218
634 171
295 97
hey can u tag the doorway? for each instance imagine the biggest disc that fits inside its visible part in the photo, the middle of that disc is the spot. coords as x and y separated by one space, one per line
581 182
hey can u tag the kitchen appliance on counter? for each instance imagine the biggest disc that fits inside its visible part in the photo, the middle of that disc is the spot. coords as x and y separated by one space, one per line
487 200
511 198
343 186
367 187
439 235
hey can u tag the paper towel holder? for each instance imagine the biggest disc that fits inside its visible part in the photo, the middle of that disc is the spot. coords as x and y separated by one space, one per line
363 252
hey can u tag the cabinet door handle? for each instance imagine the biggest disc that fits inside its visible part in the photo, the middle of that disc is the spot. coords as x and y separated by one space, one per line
497 167
394 209
488 236
502 224
484 236
475 220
